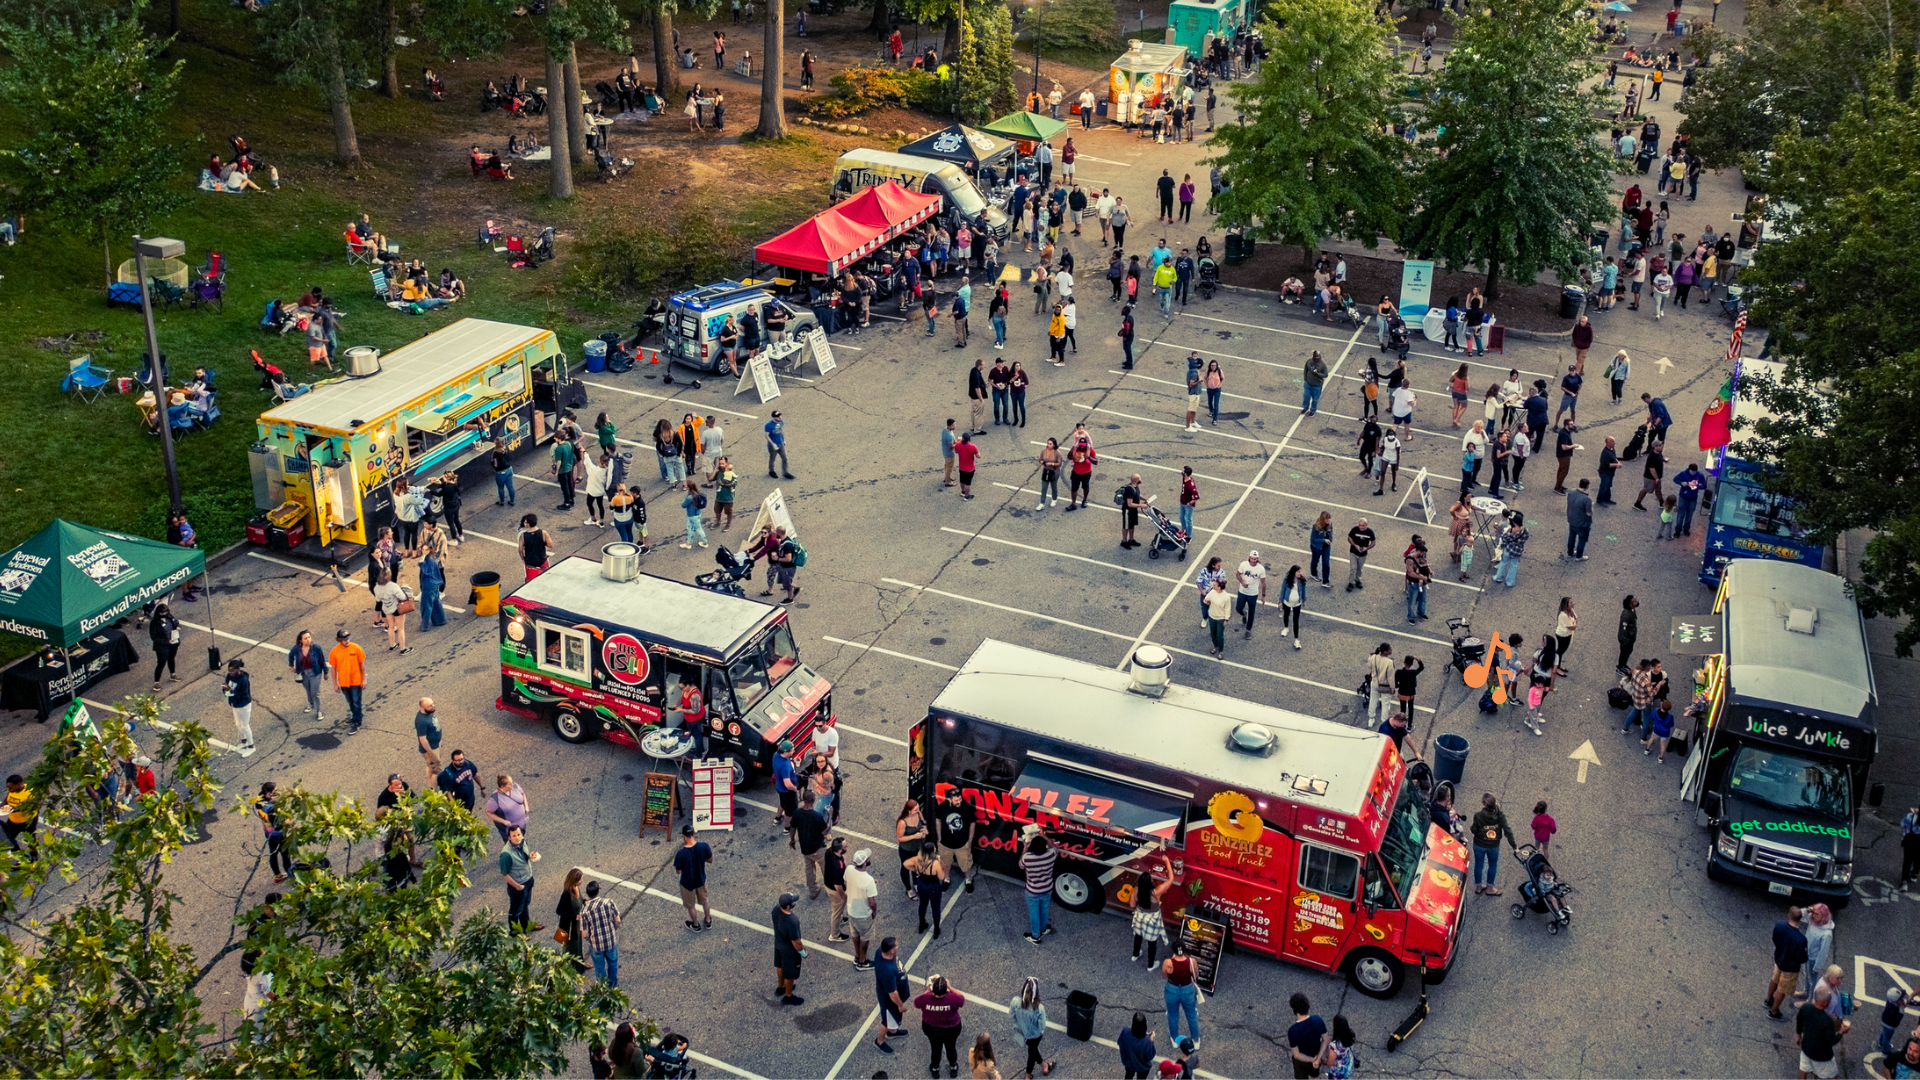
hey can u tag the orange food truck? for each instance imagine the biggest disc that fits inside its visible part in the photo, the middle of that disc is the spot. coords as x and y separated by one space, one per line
1304 836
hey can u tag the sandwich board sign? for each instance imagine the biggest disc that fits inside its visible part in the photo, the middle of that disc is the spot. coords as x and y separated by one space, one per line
759 371
819 351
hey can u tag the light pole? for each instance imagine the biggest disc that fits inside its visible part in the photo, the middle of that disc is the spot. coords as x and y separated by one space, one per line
1039 23
158 247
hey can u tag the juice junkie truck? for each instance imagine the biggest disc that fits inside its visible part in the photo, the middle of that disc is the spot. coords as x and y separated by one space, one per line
600 650
1780 766
1304 836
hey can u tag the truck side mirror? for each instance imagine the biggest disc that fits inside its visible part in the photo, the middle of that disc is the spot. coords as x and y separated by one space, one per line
1710 804
1876 795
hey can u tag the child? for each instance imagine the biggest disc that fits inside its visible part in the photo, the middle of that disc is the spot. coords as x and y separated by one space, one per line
1890 1019
1662 728
597 1057
1543 826
1513 667
1667 511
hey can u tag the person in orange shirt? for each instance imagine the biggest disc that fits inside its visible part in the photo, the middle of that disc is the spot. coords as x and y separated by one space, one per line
349 675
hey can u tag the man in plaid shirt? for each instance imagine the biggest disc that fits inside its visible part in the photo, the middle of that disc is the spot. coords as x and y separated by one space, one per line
600 933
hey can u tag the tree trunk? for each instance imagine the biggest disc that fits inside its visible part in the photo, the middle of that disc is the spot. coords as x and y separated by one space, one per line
173 16
950 45
106 252
576 120
773 98
665 65
391 52
1493 275
557 125
882 24
346 144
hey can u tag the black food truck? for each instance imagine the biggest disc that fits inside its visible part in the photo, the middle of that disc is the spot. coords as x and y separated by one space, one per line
600 650
1779 767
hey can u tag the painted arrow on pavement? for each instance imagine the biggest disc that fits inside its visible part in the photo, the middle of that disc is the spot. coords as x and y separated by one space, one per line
1663 364
1585 756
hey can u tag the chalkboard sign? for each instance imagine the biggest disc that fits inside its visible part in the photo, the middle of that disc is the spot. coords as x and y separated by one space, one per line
1204 940
658 800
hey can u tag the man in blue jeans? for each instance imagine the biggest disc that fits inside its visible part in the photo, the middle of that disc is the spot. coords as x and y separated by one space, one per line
1313 380
600 935
1489 825
1644 688
1037 866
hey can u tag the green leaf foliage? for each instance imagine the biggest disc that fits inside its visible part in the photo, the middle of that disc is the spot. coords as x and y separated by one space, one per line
1078 26
1315 156
90 96
1836 296
1520 172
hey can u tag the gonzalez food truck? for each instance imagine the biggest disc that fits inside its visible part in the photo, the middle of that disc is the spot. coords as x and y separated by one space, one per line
600 650
327 460
1303 835
1780 766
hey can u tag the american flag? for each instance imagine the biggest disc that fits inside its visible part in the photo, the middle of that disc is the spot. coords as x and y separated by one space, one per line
1739 332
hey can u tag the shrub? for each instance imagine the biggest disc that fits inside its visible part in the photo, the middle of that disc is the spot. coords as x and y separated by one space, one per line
857 90
641 252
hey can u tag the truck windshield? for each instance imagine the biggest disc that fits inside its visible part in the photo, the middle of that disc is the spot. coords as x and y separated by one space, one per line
761 665
965 195
1790 783
1405 842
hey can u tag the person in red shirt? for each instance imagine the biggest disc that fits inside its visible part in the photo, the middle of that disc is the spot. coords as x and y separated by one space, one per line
143 781
1189 498
969 455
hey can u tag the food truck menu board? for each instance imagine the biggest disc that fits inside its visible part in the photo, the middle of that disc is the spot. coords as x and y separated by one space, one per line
657 801
1204 939
713 793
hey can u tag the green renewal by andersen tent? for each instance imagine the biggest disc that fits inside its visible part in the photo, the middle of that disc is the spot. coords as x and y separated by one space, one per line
1025 127
62 586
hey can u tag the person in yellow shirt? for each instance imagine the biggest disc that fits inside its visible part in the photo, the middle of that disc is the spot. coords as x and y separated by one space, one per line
1057 335
21 815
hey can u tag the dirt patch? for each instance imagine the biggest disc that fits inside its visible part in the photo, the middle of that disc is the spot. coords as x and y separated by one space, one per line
1523 307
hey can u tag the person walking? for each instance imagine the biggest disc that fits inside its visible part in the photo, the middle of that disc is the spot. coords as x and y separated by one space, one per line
1057 336
1508 548
1189 499
1360 542
1651 472
1789 956
307 663
599 924
940 1006
1251 577
349 663
1629 631
1320 550
1564 625
956 821
694 504
1050 464
535 544
508 807
788 949
1419 576
1306 1038
267 808
776 434
1217 605
1293 597
1181 994
1036 868
238 688
1579 521
516 868
1543 827
1489 825
1029 1015
163 631
1132 501
1313 381
1688 486
1386 466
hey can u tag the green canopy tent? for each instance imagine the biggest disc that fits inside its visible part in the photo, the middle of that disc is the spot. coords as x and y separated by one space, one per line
1025 127
68 581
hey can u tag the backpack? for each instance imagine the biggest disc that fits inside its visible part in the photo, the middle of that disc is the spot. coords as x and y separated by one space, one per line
1120 496
1487 704
699 500
1619 698
799 553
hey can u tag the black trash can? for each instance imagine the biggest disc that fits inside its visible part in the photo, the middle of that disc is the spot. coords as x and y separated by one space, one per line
1234 257
1645 161
1598 238
1080 1009
1572 299
1449 758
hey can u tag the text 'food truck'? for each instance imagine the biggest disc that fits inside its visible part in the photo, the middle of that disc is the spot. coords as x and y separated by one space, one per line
602 651
1303 835
1780 767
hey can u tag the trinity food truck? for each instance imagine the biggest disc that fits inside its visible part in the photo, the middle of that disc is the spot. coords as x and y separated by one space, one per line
1780 766
600 650
1303 836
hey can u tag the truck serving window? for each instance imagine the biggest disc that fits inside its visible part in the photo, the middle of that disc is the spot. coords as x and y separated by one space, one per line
1794 784
1329 872
564 651
1405 841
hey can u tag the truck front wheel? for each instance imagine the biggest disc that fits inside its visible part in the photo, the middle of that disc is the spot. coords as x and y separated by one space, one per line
1376 974
1077 889
571 726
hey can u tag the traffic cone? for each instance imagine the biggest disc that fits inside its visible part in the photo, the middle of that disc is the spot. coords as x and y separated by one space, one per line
654 356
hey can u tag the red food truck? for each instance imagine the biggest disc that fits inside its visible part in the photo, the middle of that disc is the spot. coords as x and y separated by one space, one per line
600 650
1304 836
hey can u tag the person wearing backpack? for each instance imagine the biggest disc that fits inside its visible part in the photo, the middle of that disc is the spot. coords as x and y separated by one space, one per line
788 556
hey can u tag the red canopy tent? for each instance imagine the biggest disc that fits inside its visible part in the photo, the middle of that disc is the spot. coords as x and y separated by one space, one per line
831 240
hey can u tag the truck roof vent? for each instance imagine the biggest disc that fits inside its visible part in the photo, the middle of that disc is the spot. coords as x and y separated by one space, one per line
1149 670
1800 620
1256 739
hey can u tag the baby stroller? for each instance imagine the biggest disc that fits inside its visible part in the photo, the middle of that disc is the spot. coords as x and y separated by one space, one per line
733 570
1166 535
1543 893
1397 340
1209 276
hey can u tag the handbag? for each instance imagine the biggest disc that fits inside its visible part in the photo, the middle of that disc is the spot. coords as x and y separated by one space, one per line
560 936
406 602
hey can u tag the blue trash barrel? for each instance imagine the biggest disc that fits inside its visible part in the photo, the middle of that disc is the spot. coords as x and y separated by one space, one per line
1450 757
596 355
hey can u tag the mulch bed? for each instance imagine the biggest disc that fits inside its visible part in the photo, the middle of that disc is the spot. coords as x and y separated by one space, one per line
1523 307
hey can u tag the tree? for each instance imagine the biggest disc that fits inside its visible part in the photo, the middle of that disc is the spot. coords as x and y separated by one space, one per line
92 104
1315 155
986 89
565 24
329 45
1836 298
773 97
1521 172
365 981
1782 76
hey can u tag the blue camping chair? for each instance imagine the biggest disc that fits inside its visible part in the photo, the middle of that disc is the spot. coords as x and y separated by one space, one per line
85 380
379 276
181 418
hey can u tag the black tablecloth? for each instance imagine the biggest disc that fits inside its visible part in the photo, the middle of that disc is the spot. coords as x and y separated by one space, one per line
28 685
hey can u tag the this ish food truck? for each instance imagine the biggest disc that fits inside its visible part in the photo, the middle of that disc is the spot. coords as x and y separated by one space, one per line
600 650
1304 836
428 408
1779 768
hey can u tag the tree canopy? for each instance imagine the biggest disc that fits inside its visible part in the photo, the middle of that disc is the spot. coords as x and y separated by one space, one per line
1836 295
1521 174
1315 155
365 981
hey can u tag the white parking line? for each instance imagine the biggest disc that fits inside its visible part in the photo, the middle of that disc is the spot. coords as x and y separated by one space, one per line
1057 554
718 1064
1319 337
1168 423
663 397
505 543
1209 429
165 726
889 652
322 573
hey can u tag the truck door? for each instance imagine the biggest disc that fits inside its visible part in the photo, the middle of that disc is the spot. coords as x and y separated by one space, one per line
1323 907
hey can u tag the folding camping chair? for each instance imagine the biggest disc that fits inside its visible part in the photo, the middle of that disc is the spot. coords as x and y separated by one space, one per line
380 286
358 251
165 293
209 291
85 381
